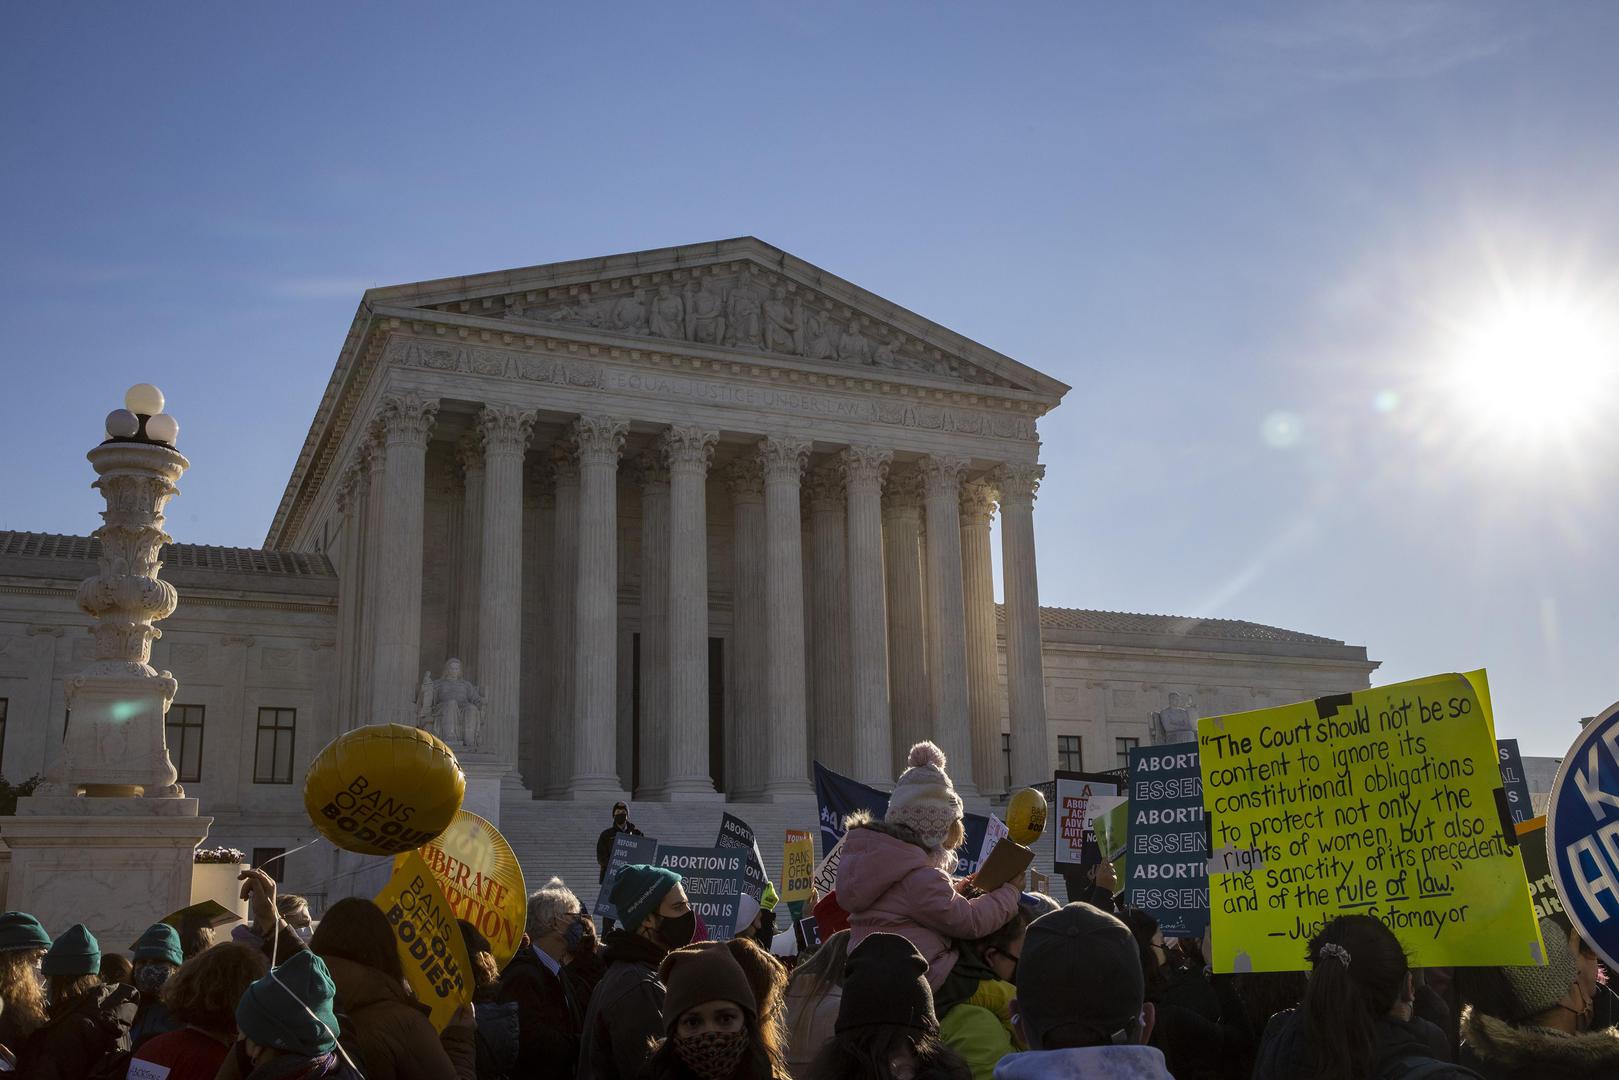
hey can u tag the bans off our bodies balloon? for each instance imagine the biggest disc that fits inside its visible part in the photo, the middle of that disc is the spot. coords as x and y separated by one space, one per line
383 789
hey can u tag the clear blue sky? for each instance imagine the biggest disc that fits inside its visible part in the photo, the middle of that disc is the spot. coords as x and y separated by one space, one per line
1230 227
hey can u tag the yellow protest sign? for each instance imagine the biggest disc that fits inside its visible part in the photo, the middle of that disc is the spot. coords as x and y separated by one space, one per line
430 945
1382 802
482 880
797 866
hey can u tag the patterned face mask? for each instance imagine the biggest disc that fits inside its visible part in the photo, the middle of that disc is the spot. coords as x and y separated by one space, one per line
713 1055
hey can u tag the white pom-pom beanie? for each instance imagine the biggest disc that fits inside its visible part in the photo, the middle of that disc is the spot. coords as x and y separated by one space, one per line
924 800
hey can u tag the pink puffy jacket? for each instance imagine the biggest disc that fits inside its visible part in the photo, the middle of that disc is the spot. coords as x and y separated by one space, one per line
890 885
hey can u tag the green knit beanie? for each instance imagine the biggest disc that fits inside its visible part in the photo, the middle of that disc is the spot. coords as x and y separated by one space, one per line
20 930
160 942
76 952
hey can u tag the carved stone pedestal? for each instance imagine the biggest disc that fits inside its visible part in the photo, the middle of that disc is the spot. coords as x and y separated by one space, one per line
484 778
118 865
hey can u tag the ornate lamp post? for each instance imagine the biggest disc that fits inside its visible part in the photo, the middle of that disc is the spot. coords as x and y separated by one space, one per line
108 839
114 743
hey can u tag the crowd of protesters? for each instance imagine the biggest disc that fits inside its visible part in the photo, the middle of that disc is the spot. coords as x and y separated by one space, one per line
920 976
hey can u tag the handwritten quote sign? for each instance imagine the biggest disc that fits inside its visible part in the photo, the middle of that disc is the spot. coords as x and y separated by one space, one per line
1383 802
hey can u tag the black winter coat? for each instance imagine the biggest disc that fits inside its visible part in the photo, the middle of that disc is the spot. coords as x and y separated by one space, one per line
1286 1055
626 1010
550 1017
81 1032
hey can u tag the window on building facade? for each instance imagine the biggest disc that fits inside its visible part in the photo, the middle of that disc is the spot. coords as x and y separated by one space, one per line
1006 762
1070 757
263 855
272 756
184 734
1122 748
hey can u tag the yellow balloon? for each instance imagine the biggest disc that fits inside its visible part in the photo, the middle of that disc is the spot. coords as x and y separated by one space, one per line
383 789
482 880
1026 816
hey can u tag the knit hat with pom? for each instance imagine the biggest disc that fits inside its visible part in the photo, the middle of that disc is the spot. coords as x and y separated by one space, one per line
924 799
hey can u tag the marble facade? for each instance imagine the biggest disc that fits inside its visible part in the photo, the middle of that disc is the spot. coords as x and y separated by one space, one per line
690 518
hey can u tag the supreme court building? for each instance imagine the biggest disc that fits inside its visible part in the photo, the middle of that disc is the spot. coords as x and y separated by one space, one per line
690 519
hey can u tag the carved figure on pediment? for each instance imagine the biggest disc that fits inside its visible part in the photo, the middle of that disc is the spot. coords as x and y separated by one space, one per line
629 314
853 346
782 323
451 707
705 315
743 323
887 350
516 310
1175 723
668 314
583 311
818 343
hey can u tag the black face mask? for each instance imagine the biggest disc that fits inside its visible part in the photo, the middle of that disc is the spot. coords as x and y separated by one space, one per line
620 819
676 932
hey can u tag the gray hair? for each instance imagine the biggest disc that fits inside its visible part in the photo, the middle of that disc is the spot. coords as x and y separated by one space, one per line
549 905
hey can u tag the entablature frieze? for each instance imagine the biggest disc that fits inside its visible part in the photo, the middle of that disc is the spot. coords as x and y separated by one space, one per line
633 374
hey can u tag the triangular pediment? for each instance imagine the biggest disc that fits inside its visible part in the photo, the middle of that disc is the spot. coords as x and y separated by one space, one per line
741 296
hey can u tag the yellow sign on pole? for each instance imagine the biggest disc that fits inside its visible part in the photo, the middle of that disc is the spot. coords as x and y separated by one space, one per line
1382 802
430 945
482 880
797 866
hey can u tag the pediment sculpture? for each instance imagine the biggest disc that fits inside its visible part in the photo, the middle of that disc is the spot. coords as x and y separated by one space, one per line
744 309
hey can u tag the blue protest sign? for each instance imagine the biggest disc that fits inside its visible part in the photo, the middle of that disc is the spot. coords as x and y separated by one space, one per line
839 796
1168 865
628 850
714 880
1513 779
736 833
1582 834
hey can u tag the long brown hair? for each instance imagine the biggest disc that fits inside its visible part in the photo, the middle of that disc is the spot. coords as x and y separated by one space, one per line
767 978
205 990
21 990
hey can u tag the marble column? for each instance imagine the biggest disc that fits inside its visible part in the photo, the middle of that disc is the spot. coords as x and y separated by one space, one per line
505 431
947 631
688 450
750 739
1025 680
351 563
375 457
407 424
829 620
983 665
653 474
907 644
863 469
539 500
469 457
783 461
563 460
595 710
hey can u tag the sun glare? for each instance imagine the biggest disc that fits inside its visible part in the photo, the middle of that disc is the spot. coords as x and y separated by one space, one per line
1535 368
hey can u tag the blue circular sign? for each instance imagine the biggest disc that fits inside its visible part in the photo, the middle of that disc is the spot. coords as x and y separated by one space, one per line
1582 834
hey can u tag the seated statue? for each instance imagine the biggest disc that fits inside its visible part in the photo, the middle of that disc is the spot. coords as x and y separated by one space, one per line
1175 724
451 707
